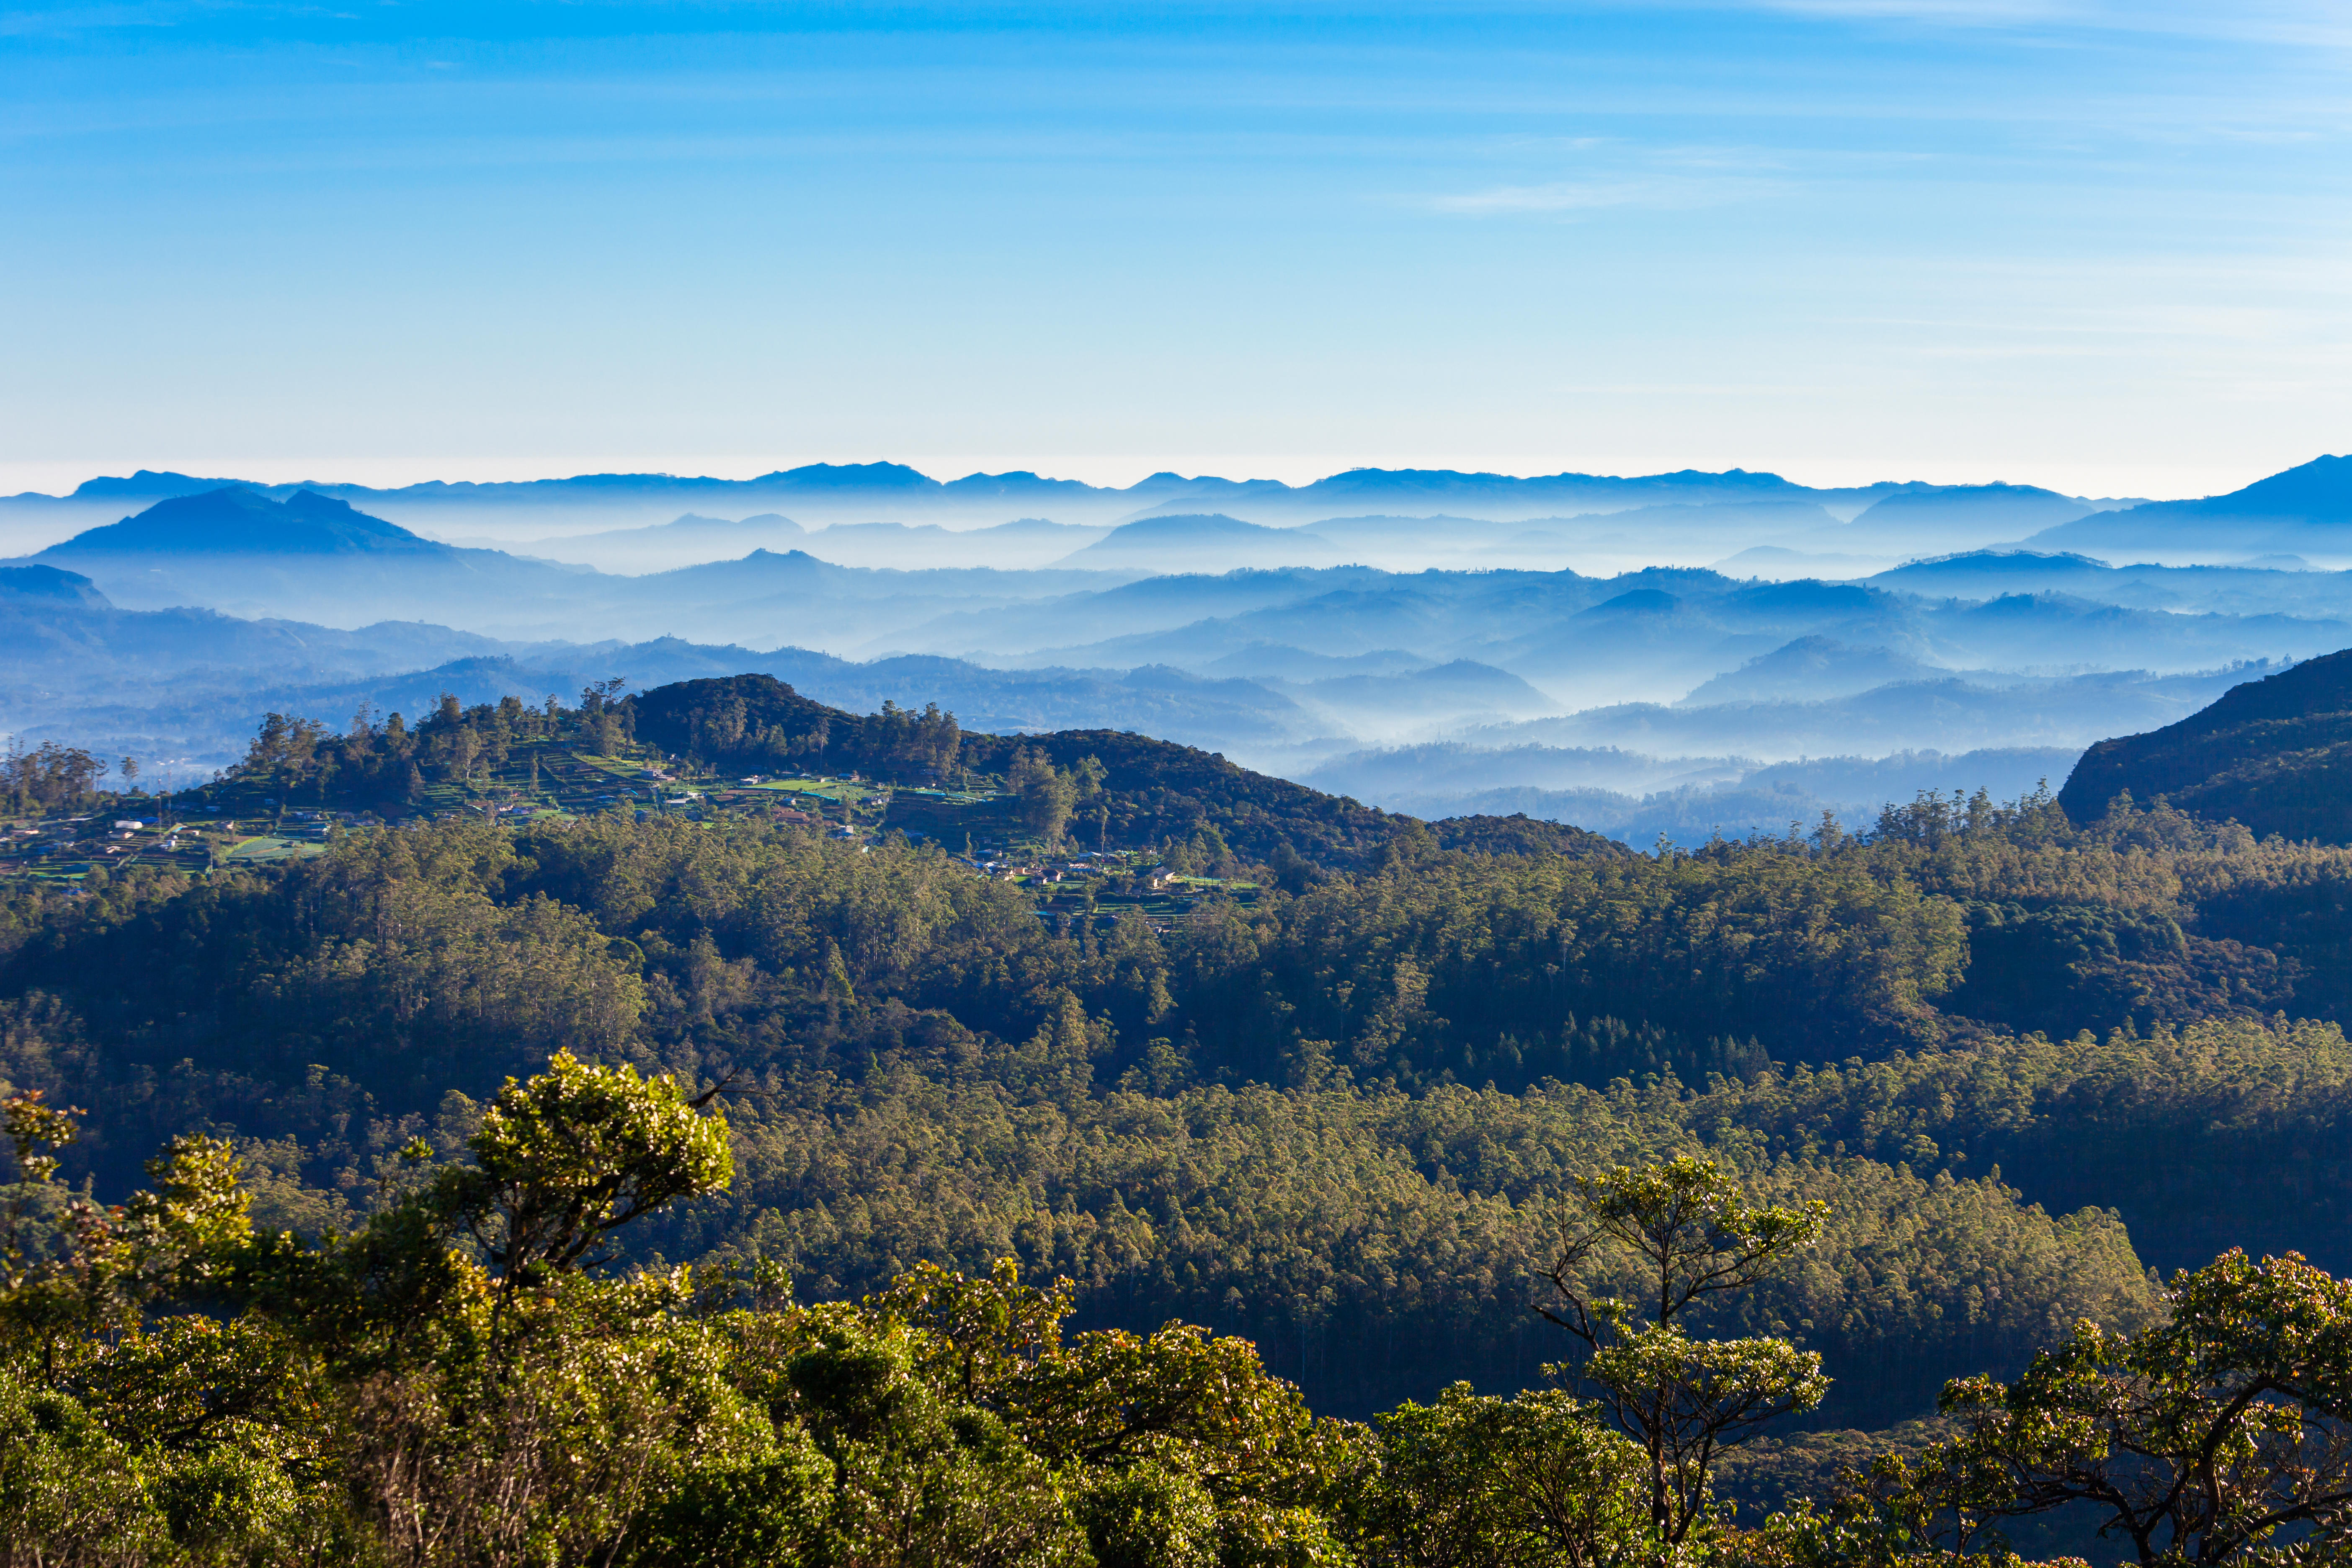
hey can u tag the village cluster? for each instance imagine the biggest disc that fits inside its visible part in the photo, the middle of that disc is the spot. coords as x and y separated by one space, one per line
234 822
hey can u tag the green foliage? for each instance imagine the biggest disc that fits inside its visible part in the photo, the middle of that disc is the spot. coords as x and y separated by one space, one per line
360 1394
2203 1439
976 1335
2200 1137
561 1161
1348 1130
755 723
1149 1515
922 1476
68 1491
771 1511
382 1391
1674 1234
1047 795
52 777
1534 1481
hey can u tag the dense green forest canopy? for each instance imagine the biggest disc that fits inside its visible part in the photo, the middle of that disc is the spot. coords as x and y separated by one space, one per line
453 1380
2020 1058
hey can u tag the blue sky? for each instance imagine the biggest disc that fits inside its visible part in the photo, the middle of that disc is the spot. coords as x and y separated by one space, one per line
2101 246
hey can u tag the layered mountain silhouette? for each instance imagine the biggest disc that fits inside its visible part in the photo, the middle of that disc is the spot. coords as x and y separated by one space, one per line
1190 541
1989 574
48 586
310 555
1810 668
2275 754
662 544
1203 622
234 521
883 490
2306 510
2020 507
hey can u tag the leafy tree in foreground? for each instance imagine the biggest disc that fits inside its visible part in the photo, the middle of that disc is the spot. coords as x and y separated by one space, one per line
577 1152
1676 1234
2222 1436
451 1387
1535 1481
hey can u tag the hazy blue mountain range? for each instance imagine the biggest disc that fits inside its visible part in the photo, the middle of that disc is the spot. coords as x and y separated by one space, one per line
184 688
311 557
169 630
1029 542
531 511
1637 798
189 684
1809 668
60 634
2271 584
234 521
1573 640
1381 701
1952 714
688 537
241 552
39 585
868 485
1558 519
2305 510
1182 542
2014 509
1656 636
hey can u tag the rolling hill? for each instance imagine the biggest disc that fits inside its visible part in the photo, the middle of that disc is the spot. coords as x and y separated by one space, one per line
1151 790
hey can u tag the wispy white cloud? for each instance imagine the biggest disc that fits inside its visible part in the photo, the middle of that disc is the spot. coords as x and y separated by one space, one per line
1659 179
2310 23
69 20
1974 12
1565 196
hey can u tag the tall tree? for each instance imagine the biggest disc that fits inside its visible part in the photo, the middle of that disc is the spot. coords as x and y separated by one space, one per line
1670 1237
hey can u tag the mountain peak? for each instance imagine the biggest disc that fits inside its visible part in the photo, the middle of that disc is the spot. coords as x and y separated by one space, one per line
151 482
853 475
235 520
2319 489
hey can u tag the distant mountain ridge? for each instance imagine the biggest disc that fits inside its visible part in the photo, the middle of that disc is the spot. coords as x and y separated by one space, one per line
1179 541
2019 505
236 521
2306 510
830 490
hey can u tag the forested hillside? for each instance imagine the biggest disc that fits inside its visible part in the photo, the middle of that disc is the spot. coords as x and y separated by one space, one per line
2275 754
1338 1102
